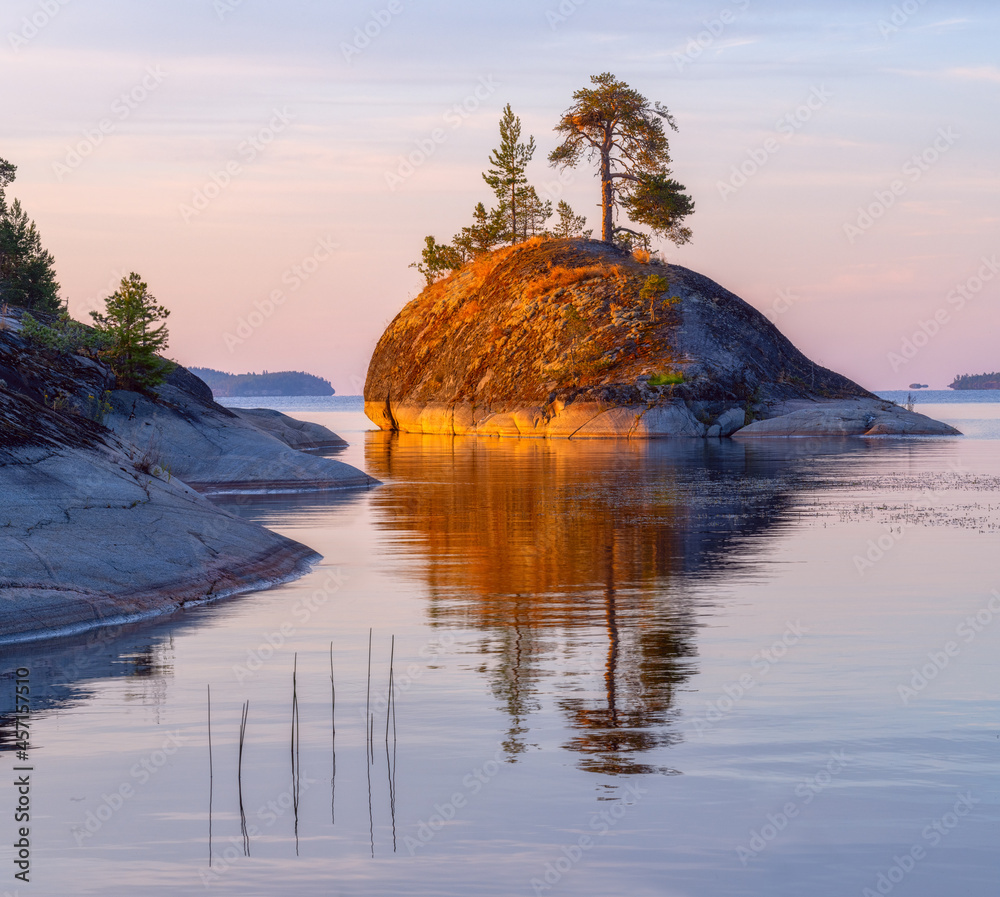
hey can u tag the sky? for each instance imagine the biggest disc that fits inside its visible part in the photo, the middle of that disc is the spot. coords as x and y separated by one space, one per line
272 168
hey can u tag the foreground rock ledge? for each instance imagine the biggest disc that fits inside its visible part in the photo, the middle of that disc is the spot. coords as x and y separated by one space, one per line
88 538
101 516
551 338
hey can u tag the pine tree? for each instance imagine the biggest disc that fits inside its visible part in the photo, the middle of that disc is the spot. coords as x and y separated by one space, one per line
128 318
623 131
570 224
534 212
507 177
485 232
437 260
27 272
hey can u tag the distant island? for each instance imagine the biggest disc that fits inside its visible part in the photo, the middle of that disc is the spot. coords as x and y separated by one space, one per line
275 383
976 381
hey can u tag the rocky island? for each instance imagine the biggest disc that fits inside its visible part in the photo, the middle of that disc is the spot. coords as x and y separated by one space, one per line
578 338
103 514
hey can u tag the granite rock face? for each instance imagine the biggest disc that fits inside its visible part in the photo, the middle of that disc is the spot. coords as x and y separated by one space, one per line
554 338
88 537
214 449
297 434
99 520
849 417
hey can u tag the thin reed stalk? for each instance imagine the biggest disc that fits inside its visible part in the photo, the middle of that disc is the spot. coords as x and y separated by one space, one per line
239 778
211 777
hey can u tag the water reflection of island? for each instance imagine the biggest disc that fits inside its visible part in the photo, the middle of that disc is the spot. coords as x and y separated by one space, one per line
557 549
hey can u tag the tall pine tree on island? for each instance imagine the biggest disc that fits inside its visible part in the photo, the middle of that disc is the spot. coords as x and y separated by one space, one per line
620 129
507 176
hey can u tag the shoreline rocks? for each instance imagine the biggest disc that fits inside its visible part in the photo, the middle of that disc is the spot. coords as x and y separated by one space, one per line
556 338
102 513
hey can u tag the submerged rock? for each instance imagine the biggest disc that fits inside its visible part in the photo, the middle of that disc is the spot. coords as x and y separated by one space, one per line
553 338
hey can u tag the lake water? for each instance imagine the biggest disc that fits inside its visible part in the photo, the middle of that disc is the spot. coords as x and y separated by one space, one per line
664 668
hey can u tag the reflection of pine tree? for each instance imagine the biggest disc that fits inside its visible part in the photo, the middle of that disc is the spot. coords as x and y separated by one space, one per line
638 692
551 550
512 683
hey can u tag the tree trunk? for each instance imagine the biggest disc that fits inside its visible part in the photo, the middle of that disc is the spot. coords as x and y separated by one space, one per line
607 197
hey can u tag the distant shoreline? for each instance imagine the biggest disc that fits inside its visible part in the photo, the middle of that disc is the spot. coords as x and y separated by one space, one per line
268 383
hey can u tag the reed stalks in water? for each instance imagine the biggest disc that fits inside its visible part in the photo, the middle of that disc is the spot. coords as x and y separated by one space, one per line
239 778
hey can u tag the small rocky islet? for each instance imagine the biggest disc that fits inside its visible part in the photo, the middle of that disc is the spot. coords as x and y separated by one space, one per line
577 338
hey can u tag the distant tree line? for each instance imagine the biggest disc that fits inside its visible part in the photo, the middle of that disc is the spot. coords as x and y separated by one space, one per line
976 381
278 383
610 124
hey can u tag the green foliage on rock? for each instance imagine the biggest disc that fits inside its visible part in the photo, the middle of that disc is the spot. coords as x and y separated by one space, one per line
519 215
486 231
129 322
666 378
656 285
64 335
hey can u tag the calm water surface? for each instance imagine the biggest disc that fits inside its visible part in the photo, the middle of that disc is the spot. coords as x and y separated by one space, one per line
663 668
